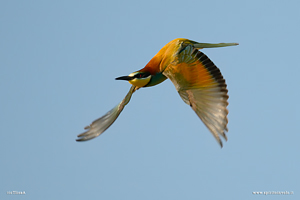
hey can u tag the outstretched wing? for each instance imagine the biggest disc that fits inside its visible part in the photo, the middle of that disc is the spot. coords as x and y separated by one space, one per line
100 125
201 85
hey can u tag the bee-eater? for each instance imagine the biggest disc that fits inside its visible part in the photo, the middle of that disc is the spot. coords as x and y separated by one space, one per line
198 81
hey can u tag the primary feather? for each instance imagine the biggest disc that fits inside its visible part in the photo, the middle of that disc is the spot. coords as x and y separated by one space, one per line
100 125
201 85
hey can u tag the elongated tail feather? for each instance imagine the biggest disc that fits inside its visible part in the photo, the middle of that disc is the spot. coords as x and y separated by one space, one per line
198 45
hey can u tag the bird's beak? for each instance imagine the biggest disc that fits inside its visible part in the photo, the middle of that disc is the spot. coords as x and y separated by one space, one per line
125 78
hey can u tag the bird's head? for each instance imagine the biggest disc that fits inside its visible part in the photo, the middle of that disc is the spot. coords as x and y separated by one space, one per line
139 79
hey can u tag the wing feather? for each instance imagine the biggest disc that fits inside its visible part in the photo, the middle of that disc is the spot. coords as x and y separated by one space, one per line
98 126
201 85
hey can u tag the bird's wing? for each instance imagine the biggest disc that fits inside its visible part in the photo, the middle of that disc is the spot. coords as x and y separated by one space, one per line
201 85
100 125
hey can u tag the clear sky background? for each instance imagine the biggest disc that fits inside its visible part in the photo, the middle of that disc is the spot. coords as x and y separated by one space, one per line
58 62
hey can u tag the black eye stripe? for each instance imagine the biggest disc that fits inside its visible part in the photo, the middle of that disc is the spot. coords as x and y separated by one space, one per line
142 75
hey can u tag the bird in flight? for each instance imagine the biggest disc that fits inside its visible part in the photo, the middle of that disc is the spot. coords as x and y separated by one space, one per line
198 81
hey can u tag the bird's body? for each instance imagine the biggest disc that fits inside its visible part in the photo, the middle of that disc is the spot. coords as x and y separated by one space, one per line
198 81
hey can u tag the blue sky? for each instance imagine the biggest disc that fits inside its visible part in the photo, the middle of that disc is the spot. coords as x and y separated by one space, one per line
58 64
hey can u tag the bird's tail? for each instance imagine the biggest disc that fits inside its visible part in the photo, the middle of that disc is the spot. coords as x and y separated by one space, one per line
209 45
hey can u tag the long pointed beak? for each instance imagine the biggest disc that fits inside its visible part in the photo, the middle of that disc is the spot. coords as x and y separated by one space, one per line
208 45
125 78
